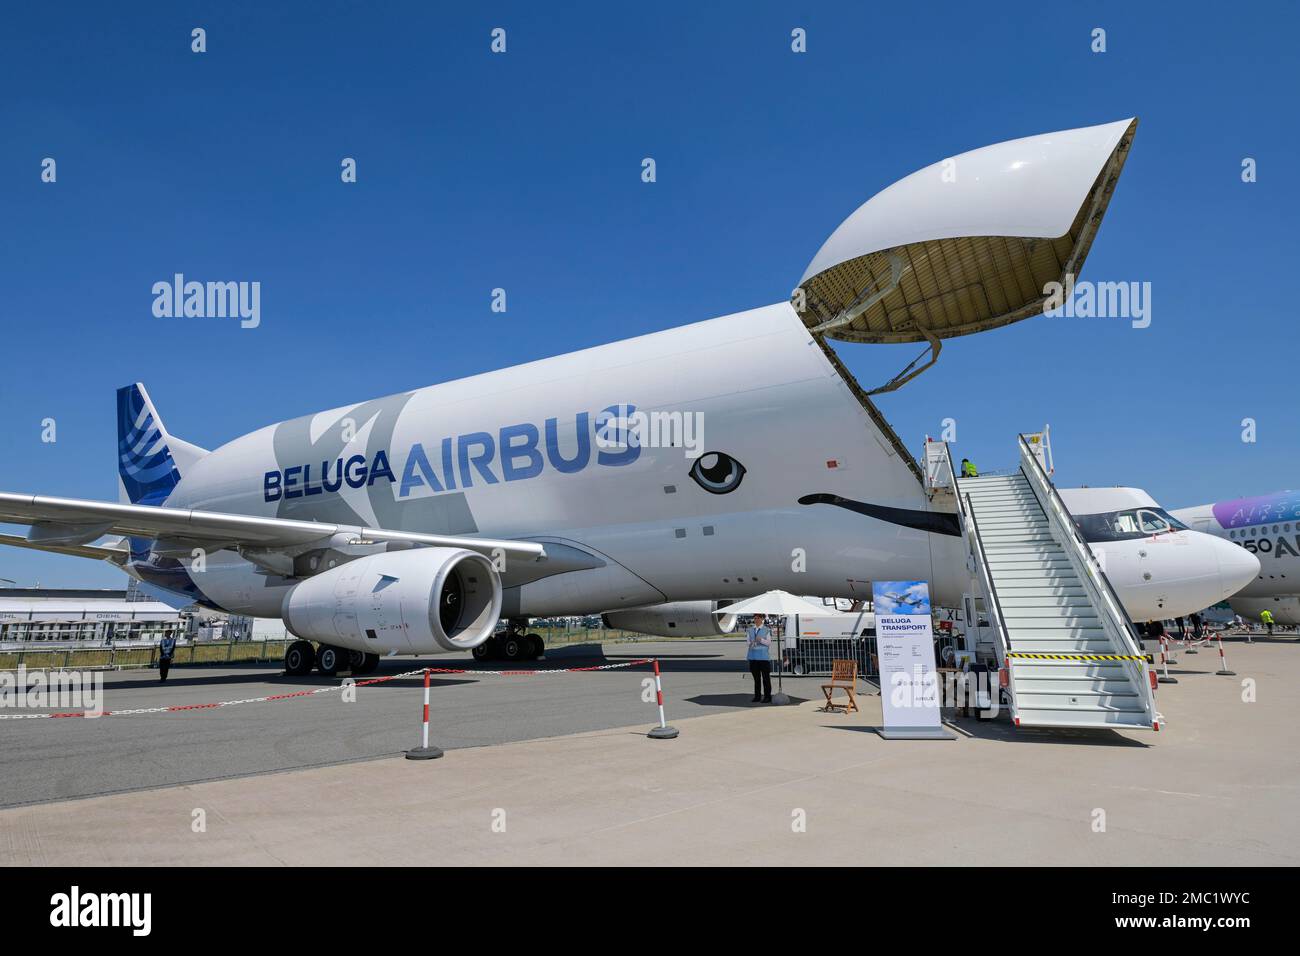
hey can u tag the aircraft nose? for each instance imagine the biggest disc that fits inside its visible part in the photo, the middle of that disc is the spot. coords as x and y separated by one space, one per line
1237 566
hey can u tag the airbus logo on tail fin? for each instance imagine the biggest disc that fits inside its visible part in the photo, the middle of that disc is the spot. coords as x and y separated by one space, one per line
144 462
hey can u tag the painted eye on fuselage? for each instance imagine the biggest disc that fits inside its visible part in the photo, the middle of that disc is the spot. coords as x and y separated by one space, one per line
717 472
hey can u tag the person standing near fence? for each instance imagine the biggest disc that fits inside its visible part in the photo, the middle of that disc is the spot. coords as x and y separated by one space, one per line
166 651
759 641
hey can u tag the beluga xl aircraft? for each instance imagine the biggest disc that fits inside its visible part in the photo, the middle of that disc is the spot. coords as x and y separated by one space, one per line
412 523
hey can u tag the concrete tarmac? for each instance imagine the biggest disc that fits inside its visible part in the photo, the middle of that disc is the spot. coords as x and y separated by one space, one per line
749 785
42 760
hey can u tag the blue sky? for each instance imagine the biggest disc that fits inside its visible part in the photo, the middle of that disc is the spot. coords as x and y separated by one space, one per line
522 171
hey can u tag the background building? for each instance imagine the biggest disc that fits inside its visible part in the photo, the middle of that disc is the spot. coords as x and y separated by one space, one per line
95 617
85 615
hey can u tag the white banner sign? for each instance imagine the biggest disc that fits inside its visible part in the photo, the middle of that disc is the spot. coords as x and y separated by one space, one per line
909 684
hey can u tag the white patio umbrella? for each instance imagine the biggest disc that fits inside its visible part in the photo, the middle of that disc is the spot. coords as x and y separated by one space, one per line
776 602
773 602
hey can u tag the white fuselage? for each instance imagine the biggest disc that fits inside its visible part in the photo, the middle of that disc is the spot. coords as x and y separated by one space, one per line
1159 568
814 497
521 453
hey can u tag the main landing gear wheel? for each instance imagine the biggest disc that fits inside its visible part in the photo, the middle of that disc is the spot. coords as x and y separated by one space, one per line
514 646
330 660
362 663
299 658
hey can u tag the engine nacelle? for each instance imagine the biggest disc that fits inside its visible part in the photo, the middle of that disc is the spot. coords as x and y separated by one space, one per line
418 601
675 619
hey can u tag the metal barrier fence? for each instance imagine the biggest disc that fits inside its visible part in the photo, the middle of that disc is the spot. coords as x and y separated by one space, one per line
810 656
112 658
813 656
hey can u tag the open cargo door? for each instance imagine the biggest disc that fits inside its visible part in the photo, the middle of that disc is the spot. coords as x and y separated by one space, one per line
967 244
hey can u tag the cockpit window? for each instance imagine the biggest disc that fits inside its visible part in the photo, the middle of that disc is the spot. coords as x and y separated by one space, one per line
1126 525
1151 522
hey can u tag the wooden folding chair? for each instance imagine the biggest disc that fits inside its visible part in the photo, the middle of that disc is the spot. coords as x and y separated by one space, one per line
844 676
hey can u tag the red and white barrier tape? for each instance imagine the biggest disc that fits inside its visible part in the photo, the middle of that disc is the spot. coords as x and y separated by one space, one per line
177 708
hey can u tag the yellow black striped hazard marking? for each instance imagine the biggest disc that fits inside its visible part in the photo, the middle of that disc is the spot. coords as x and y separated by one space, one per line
1076 657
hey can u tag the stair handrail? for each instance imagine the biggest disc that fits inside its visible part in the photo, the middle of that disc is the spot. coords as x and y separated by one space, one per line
970 531
1114 617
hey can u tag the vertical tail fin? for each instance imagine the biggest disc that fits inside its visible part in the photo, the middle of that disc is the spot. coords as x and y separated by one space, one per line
150 462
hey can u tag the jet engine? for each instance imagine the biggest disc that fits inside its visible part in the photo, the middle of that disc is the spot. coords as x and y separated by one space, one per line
675 619
417 601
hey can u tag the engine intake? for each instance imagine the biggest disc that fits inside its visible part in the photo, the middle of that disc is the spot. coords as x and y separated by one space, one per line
418 601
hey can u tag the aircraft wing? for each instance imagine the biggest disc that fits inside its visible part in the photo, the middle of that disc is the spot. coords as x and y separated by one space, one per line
117 553
69 525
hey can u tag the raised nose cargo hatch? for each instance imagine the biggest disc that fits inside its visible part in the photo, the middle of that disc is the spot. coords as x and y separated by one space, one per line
967 244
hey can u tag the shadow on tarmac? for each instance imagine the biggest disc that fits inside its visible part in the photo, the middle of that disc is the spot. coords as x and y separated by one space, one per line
206 675
276 679
1000 728
235 674
1003 731
733 700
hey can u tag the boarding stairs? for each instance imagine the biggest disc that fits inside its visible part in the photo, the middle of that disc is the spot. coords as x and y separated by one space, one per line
1071 654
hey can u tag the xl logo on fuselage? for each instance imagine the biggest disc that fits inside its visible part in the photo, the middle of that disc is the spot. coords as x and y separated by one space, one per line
519 451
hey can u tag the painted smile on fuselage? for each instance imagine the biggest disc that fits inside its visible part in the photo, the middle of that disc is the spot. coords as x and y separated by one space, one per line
934 522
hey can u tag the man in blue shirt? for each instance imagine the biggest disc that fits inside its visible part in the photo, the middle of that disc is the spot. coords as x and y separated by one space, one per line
759 642
166 651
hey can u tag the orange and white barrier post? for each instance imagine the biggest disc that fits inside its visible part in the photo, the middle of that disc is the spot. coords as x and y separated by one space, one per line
424 751
1223 661
663 731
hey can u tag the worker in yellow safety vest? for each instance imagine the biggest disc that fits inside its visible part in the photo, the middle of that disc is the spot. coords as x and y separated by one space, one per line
968 469
1267 617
